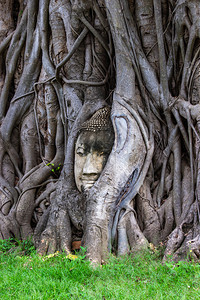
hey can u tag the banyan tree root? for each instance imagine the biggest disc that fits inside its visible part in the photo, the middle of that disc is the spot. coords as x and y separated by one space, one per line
63 60
129 235
183 241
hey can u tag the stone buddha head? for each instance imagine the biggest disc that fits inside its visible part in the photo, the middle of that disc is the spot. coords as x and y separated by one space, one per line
93 146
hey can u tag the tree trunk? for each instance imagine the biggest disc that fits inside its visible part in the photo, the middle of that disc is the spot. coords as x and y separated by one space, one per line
63 65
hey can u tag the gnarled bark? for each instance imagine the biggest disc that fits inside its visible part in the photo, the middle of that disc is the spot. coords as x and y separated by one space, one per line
63 60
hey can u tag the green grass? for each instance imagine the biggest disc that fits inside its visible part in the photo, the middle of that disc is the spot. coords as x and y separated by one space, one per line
139 277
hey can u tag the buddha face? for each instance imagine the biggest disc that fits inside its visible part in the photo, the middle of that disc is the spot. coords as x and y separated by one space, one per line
91 153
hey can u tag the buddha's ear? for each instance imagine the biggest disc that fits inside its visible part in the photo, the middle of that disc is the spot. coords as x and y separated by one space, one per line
120 125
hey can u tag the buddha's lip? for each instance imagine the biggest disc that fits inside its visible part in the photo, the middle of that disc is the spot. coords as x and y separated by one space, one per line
89 178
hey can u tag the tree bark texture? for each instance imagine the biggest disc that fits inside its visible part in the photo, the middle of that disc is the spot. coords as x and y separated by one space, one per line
63 60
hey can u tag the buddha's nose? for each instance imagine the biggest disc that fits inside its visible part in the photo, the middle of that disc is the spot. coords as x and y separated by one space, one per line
90 166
